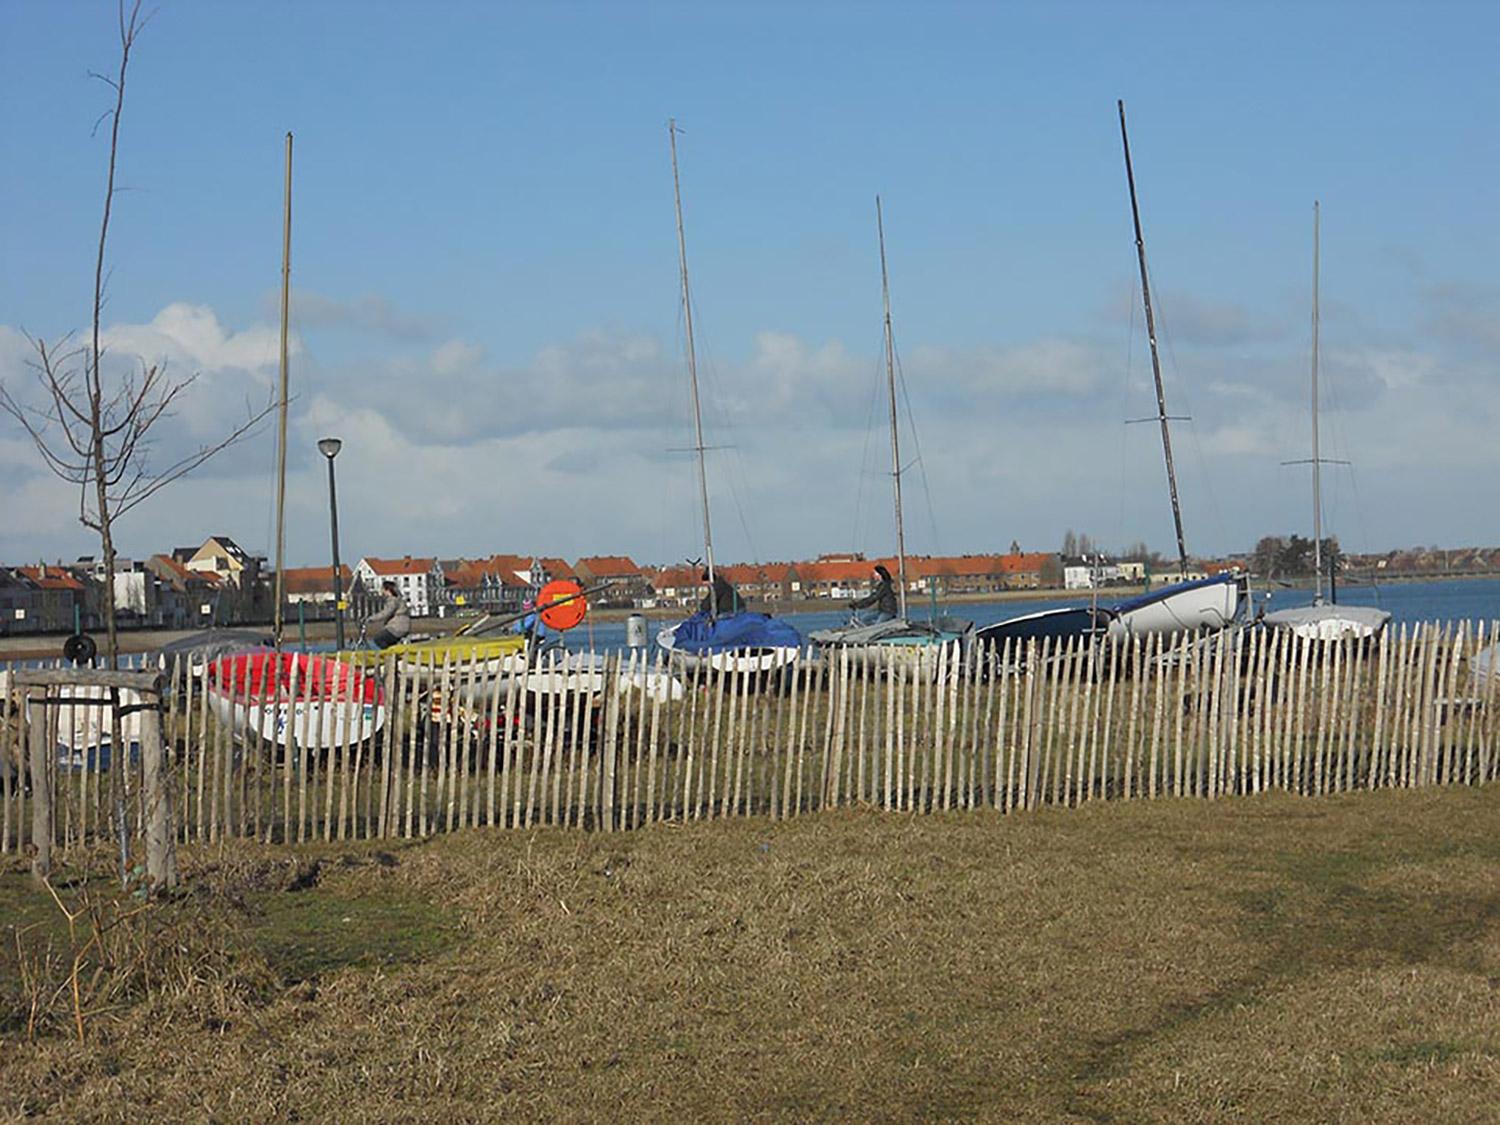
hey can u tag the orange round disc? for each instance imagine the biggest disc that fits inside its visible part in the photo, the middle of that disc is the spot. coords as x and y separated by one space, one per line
557 613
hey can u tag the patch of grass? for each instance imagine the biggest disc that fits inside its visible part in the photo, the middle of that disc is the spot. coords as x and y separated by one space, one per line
306 935
1261 958
1420 1053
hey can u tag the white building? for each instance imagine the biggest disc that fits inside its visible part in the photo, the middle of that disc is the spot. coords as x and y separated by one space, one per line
1083 574
419 581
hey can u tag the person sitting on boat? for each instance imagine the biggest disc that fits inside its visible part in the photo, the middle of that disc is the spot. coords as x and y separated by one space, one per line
531 625
880 603
722 599
391 622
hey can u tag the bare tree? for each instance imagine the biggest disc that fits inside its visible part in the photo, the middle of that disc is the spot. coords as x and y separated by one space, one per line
94 428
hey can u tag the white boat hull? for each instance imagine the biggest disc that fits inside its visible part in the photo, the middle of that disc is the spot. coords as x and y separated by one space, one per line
1198 607
1330 622
746 661
311 724
314 702
573 672
86 731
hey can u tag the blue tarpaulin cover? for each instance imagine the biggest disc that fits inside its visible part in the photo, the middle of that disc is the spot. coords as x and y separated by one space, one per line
701 633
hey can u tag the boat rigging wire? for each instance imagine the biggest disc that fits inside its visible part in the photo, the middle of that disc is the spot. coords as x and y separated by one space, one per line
935 547
864 459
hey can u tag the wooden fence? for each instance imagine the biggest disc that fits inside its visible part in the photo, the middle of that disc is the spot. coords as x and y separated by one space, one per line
1237 713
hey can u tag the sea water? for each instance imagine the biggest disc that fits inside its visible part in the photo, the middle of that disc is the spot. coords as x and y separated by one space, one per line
1451 600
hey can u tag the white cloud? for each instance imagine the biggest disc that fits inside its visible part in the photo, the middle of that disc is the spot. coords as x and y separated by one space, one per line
450 450
455 356
191 336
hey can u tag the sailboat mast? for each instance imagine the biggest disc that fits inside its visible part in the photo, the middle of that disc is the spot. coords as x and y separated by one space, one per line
1161 398
286 289
687 316
890 379
1317 463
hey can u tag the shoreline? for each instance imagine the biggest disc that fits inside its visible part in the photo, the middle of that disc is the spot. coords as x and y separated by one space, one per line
45 646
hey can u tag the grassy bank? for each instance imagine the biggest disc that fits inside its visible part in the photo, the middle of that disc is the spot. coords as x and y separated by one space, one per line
1247 960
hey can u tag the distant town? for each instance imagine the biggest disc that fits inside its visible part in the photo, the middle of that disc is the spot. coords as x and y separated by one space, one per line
218 583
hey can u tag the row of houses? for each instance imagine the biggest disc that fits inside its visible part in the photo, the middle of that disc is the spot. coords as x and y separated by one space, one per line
214 584
219 583
504 583
1427 561
842 577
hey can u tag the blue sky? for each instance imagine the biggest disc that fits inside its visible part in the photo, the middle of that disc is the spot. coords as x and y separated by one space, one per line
485 262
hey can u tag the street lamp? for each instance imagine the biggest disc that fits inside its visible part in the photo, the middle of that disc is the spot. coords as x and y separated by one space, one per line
329 447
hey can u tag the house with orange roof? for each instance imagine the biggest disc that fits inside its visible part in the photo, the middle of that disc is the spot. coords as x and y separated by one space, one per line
190 597
543 570
839 580
629 584
18 604
42 599
1029 570
676 586
498 584
756 582
418 580
312 586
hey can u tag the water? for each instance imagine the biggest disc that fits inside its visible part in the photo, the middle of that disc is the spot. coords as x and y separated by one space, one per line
1471 599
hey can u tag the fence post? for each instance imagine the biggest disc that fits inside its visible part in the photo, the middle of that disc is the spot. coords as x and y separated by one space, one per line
41 788
161 840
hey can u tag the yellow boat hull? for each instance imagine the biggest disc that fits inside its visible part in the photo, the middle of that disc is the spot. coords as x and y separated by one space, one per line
488 655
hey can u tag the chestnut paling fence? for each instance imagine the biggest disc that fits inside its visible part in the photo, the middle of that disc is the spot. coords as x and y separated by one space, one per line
1028 726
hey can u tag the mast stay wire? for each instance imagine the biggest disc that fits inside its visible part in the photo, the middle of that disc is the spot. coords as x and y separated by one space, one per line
308 374
1180 390
1341 447
721 420
864 458
1126 386
917 462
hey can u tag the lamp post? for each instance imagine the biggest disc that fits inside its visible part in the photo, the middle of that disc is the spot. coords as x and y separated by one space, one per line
329 447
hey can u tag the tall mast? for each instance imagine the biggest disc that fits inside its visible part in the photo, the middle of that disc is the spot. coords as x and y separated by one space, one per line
1161 398
890 379
1317 464
286 288
687 315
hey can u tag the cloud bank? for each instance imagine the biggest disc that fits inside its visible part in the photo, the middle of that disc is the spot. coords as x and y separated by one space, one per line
451 449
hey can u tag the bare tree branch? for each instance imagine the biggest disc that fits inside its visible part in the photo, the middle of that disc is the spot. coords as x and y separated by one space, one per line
95 430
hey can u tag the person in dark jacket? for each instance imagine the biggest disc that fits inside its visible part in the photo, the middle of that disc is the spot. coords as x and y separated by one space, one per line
391 622
880 603
722 599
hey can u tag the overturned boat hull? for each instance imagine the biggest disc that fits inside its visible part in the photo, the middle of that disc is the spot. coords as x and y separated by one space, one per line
1203 605
312 701
1067 623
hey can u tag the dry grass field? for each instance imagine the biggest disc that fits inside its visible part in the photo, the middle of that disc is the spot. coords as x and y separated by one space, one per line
1270 958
